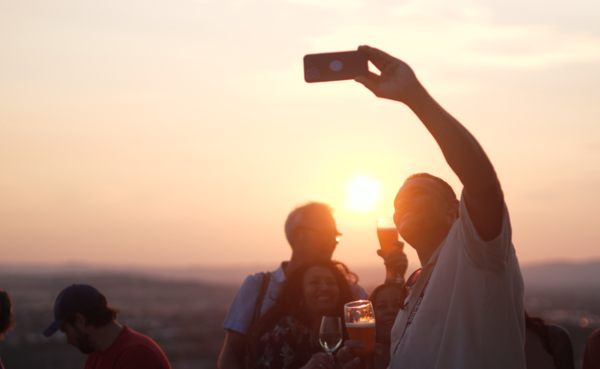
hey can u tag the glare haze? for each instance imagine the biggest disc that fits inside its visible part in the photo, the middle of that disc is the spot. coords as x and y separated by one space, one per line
182 132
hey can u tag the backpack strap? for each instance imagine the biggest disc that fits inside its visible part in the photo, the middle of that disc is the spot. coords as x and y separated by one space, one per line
262 291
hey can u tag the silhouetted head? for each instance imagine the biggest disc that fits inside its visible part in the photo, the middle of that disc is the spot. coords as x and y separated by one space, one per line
311 232
78 308
6 315
426 207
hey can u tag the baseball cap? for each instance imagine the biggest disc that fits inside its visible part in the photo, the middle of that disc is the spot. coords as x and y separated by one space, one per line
77 298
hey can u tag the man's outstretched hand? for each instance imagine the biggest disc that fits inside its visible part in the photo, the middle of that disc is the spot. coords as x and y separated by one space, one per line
397 80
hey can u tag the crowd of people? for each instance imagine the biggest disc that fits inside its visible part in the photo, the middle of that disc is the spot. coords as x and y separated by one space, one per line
462 309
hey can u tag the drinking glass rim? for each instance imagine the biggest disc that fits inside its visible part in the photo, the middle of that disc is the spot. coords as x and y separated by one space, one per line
357 304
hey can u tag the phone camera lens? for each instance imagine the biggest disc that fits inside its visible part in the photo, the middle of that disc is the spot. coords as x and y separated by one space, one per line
336 65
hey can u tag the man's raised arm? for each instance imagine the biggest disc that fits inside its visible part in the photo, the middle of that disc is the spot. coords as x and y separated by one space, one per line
483 195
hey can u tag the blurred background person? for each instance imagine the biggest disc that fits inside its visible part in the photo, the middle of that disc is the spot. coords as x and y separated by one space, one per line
312 234
546 345
6 316
386 300
83 314
287 336
591 356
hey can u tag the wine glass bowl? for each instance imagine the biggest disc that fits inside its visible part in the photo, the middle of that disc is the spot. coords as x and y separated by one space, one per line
330 334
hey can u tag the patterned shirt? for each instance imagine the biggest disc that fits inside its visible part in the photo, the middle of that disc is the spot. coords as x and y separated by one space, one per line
289 345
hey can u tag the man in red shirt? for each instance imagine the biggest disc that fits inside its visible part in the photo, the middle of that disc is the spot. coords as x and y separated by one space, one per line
81 312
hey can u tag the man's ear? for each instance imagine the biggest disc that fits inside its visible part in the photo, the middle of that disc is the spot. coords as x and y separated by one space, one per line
80 321
453 208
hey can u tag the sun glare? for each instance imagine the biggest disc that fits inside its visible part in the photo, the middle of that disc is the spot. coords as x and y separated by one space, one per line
363 193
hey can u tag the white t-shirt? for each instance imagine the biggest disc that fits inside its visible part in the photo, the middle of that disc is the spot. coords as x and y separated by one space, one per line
240 313
471 312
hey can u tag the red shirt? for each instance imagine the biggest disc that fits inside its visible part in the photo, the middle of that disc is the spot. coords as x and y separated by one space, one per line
131 350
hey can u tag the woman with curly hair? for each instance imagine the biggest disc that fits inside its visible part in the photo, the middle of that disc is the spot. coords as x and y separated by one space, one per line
286 337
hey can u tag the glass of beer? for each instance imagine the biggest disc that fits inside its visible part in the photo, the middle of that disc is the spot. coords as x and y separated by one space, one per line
360 324
330 335
387 235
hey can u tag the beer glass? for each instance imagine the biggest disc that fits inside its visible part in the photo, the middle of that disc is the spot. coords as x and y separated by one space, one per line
330 334
387 235
360 324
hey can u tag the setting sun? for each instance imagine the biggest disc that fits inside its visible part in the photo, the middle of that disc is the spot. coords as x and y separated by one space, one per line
363 193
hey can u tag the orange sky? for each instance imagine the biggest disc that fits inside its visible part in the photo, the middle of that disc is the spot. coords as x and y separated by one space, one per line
182 132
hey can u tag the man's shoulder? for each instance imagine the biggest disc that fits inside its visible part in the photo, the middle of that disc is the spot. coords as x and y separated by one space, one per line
595 337
132 348
135 343
253 281
133 338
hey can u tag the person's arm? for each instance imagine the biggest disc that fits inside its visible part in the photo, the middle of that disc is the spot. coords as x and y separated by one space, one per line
396 259
233 351
483 195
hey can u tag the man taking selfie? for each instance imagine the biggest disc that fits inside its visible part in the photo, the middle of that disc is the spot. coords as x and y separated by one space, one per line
464 308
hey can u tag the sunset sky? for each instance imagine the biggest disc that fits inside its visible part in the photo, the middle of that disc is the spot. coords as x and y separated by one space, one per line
179 133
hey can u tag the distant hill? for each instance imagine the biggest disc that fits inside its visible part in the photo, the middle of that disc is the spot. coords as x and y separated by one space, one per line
547 275
562 274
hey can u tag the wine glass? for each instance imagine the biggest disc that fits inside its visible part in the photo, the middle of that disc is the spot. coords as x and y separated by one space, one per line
330 334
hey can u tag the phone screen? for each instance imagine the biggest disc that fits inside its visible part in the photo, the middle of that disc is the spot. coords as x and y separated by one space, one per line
335 66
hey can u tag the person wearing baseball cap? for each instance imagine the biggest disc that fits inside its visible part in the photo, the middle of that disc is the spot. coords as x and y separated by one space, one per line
82 313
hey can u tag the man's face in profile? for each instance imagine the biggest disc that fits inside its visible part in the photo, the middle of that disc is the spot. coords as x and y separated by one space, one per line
316 237
78 338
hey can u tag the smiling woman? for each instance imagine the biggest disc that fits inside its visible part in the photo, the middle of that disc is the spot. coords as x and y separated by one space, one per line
363 193
286 336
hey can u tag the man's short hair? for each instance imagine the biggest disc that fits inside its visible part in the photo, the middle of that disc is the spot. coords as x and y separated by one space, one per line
446 189
300 212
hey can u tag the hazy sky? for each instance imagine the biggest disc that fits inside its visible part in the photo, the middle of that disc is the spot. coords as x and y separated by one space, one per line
182 132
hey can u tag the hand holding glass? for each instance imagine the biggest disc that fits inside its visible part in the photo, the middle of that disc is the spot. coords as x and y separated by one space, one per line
360 324
388 238
330 335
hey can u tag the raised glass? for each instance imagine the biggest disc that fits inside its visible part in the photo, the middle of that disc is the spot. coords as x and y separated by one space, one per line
388 237
330 334
360 324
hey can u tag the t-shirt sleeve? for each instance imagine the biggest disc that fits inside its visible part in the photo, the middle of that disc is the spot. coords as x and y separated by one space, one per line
240 313
140 357
288 345
492 255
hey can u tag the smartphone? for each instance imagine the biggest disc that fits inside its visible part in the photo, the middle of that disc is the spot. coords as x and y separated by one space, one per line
335 66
